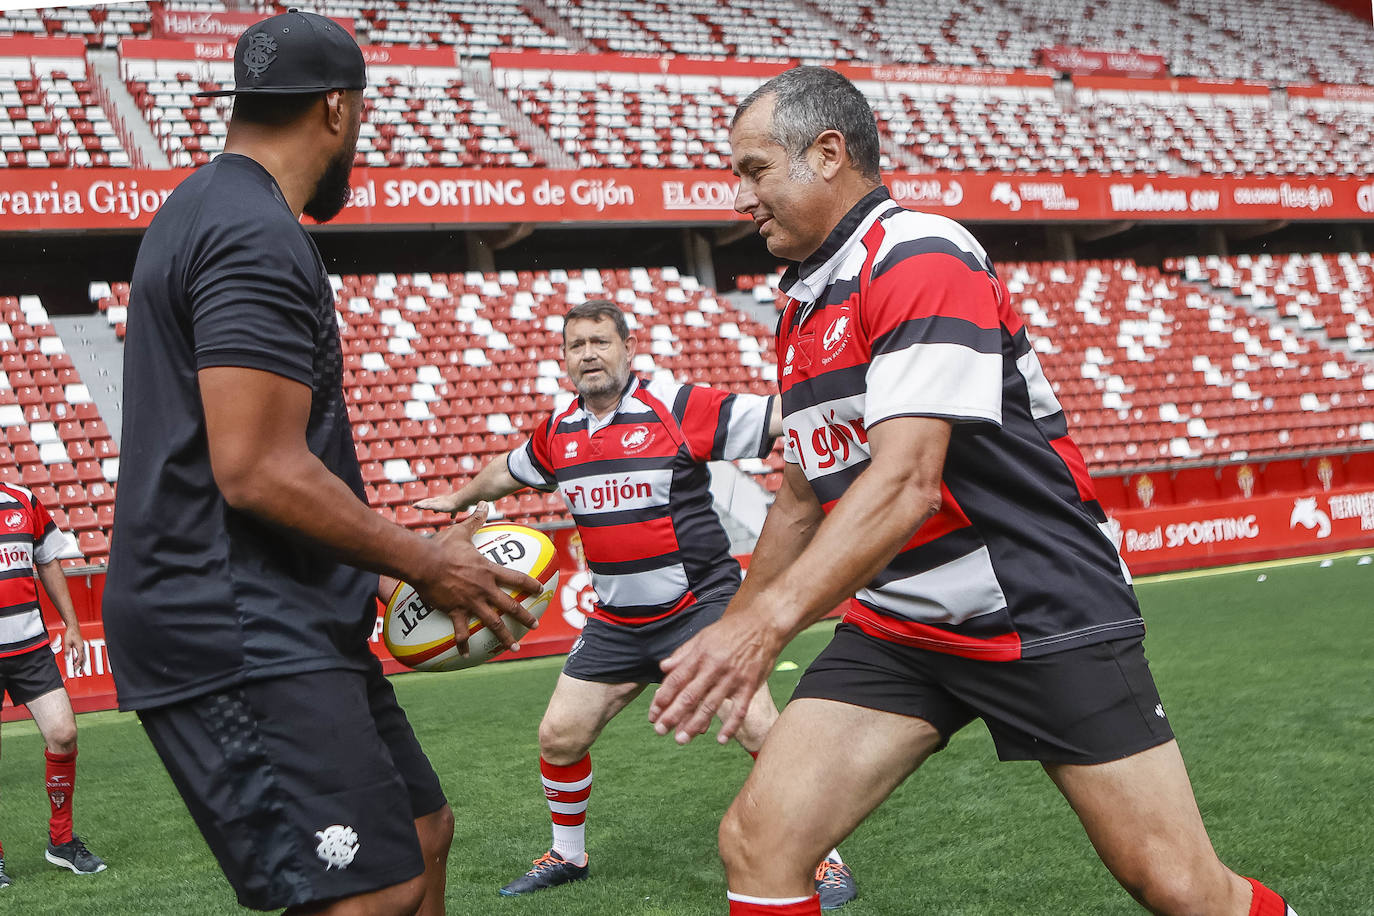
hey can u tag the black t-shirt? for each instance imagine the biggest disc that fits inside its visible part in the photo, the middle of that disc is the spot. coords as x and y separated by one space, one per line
201 596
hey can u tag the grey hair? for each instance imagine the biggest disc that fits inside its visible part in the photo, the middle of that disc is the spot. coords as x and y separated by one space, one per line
812 100
598 310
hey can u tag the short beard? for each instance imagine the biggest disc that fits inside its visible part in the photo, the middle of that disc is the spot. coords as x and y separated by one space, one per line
332 190
610 386
799 170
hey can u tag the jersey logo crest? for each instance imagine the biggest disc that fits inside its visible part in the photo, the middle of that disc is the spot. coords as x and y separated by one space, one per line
836 333
570 450
260 54
338 845
637 439
14 520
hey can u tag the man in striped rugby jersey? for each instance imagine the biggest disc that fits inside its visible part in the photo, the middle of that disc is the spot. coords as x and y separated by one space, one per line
629 457
930 481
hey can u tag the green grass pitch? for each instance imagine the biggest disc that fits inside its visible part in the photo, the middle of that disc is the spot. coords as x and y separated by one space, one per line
1269 685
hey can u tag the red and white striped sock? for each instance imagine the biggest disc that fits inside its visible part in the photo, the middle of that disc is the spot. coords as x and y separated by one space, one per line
567 789
744 905
1264 902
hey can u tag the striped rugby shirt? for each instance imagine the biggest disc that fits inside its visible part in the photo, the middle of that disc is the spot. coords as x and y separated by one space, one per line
638 488
28 535
900 314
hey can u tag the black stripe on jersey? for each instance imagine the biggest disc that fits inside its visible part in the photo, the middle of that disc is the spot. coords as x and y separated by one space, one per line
939 329
832 486
14 610
929 245
17 574
947 548
622 517
1020 344
570 426
831 386
766 443
679 406
727 407
604 466
630 567
839 292
1055 426
20 537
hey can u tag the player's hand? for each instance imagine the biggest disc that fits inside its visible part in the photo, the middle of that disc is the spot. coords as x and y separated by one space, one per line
448 502
75 650
716 672
468 587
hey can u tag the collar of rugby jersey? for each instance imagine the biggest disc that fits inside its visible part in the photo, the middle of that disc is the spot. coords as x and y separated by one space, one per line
594 423
805 281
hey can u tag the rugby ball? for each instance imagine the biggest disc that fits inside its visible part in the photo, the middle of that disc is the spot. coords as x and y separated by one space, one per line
421 639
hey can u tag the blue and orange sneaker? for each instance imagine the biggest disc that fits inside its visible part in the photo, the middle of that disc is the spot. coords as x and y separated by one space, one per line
550 870
835 884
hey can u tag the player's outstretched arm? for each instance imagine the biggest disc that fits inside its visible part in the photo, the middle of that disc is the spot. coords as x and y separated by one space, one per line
255 422
491 483
877 515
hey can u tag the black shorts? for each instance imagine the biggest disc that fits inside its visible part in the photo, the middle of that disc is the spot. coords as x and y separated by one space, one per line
306 787
1086 705
620 654
29 675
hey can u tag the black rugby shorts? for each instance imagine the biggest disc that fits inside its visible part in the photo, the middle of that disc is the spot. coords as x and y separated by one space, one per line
305 787
622 654
1085 705
29 675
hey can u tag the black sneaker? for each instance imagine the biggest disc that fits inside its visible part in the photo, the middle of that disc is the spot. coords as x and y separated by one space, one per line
73 854
4 878
550 870
835 884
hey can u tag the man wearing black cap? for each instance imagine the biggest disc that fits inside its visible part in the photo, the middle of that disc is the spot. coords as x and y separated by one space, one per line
237 607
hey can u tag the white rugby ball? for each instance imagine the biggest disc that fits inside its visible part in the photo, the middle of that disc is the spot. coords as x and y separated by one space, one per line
421 639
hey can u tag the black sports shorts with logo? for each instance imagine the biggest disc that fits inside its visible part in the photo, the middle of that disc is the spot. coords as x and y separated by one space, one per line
305 787
622 654
1081 706
29 675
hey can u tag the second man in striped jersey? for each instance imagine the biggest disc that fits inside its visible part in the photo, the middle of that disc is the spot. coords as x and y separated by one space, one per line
629 457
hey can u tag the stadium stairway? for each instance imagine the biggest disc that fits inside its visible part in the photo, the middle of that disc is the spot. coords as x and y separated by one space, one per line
544 146
98 355
104 70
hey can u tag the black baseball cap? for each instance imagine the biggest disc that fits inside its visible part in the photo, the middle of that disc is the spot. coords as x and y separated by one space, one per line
295 53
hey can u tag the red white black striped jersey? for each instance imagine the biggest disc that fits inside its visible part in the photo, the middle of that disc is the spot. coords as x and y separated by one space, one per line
900 314
28 535
638 489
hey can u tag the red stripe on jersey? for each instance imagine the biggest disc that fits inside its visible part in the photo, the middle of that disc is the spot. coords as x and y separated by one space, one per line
600 613
929 284
1004 648
1073 459
1010 319
631 541
949 518
701 419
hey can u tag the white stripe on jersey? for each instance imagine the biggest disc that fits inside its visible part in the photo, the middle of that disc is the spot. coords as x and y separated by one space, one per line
950 594
522 469
52 546
657 586
1043 402
910 225
21 628
936 379
597 494
1106 529
826 451
748 422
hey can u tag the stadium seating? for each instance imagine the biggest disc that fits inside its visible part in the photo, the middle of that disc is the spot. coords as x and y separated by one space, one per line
51 116
1328 294
413 116
54 440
